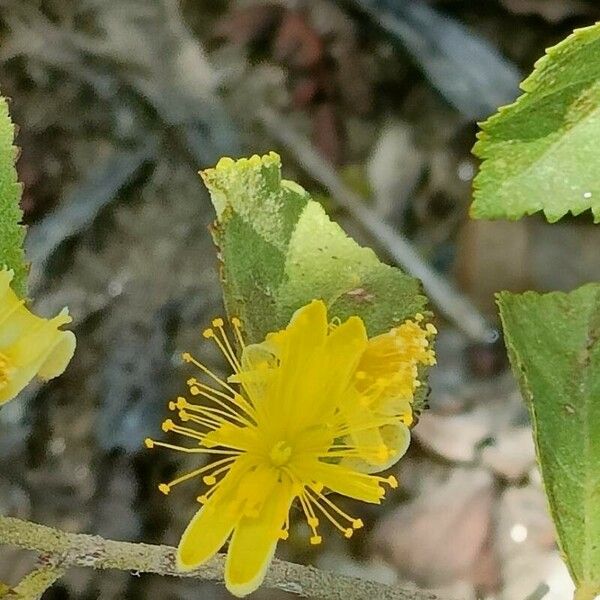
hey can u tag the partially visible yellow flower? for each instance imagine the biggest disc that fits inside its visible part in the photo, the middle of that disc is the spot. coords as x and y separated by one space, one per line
278 431
30 346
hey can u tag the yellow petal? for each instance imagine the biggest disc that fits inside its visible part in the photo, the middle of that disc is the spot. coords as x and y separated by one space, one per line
347 482
29 345
205 535
254 541
345 346
212 525
59 356
396 438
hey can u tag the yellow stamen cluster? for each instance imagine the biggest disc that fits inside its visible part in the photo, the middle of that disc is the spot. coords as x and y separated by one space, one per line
298 411
6 369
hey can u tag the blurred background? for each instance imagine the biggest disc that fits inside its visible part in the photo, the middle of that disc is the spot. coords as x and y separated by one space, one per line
119 103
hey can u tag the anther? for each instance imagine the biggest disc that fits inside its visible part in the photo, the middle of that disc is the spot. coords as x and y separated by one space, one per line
167 425
357 523
149 443
164 488
348 533
209 480
236 322
284 534
184 416
202 499
313 521
315 540
208 333
218 322
186 356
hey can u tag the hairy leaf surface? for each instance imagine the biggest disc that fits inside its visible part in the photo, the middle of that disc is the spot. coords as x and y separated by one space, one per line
542 152
554 346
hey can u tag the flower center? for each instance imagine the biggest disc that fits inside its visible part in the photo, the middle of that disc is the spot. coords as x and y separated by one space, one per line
6 369
280 453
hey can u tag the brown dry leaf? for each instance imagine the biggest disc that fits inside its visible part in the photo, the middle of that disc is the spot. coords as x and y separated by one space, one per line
492 256
524 522
248 24
326 132
512 455
297 43
443 537
553 11
454 437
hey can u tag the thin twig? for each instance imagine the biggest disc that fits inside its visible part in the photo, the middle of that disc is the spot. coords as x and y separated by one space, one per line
33 585
539 592
449 300
82 550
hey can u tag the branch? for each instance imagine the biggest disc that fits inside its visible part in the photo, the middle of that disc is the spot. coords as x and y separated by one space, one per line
33 585
82 550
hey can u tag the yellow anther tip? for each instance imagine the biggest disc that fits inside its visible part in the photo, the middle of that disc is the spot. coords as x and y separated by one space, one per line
186 356
202 499
164 488
208 333
209 480
149 443
284 535
349 533
315 540
184 416
173 405
357 523
313 521
167 425
236 322
194 390
392 481
217 322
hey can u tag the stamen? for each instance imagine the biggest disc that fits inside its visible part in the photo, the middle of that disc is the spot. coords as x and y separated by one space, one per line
309 514
153 443
330 517
224 461
187 357
200 389
356 523
6 369
237 329
226 347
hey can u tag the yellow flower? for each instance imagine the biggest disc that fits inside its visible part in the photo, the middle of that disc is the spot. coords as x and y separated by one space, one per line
279 430
29 345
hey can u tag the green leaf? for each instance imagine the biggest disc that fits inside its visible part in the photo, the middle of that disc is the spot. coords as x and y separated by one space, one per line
553 342
279 251
12 234
542 152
